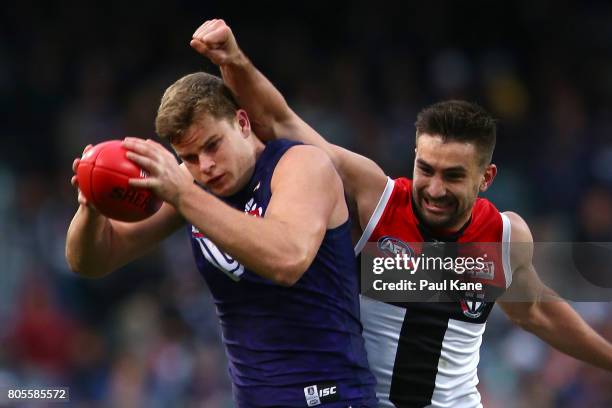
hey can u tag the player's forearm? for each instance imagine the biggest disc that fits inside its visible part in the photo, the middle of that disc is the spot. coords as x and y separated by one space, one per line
268 247
88 243
265 105
270 114
558 324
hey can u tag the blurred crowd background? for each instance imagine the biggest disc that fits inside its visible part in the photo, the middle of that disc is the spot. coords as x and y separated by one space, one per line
74 73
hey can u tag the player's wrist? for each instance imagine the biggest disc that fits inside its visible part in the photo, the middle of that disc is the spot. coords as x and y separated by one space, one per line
182 197
236 60
91 214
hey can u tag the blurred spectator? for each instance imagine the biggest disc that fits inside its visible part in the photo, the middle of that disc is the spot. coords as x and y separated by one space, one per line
75 74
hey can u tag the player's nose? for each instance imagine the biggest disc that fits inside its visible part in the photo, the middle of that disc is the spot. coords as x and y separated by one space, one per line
207 164
436 188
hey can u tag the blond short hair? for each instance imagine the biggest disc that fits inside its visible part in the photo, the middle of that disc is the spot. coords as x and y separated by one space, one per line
186 100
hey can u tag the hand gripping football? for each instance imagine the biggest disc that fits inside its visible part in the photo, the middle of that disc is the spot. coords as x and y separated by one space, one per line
103 174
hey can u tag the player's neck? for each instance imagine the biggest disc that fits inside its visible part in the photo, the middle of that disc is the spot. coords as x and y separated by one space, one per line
257 145
257 149
460 225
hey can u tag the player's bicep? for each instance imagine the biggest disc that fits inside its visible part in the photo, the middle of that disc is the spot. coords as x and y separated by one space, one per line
291 126
526 287
305 194
525 303
132 240
364 181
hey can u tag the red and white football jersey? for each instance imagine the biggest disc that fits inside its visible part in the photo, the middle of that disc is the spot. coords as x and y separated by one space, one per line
426 353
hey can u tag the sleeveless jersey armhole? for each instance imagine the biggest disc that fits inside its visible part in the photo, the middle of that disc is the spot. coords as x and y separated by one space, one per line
378 212
506 236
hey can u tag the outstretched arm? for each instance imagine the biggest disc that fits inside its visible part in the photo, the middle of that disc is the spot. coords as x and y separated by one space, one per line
271 116
538 309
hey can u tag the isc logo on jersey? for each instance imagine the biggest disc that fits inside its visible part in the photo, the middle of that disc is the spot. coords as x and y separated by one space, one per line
318 394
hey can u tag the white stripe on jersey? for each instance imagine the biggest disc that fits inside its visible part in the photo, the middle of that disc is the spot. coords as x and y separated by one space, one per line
378 212
457 377
384 325
506 236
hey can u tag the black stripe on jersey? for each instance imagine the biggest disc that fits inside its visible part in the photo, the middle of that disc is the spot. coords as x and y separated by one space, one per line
420 342
418 353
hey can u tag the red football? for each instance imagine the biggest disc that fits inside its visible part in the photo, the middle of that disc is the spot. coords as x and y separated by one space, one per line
103 174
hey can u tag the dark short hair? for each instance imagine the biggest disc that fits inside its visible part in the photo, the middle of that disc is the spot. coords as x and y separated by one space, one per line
460 121
187 99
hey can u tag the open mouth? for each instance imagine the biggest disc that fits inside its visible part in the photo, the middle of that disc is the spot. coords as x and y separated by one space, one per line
437 207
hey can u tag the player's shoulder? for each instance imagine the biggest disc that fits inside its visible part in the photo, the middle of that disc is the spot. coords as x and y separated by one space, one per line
520 231
301 156
486 206
485 212
397 193
402 183
521 249
307 151
306 160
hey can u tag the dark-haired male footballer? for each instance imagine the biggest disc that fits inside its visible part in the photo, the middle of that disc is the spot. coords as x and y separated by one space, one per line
270 234
424 354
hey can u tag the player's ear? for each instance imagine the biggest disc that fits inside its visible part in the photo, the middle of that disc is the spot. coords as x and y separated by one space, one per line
244 124
488 177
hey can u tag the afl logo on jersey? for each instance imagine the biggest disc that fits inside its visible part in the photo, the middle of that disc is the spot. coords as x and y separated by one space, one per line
394 246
